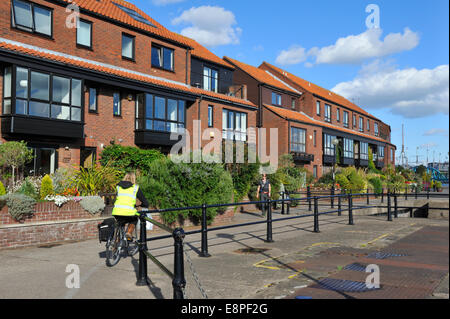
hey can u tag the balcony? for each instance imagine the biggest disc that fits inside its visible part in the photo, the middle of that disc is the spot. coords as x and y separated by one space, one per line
152 138
37 126
302 157
361 162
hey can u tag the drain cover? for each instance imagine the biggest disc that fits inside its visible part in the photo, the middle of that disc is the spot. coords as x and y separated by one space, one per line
251 250
385 255
356 267
343 285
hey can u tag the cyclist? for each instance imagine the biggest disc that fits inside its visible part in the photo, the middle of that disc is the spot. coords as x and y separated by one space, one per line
128 192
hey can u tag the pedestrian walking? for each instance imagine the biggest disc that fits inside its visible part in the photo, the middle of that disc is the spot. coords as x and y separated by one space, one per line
263 192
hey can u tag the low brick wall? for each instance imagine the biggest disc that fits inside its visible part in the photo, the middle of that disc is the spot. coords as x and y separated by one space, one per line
51 224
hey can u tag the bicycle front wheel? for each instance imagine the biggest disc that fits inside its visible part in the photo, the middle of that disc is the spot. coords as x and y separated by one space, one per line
113 249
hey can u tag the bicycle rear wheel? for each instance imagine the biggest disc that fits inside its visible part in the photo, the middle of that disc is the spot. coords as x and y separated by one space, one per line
133 246
114 248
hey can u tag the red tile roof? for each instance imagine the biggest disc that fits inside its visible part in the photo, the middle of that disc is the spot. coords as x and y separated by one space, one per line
301 117
261 75
201 52
320 91
92 65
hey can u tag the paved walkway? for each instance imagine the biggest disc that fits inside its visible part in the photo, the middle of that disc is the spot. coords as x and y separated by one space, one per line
242 264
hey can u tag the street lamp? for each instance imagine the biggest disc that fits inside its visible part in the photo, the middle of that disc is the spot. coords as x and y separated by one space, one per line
335 143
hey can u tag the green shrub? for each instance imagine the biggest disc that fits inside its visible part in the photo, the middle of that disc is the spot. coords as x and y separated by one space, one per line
128 158
376 184
46 187
19 206
96 179
169 185
327 178
342 180
92 204
29 189
242 174
2 189
357 183
61 179
438 184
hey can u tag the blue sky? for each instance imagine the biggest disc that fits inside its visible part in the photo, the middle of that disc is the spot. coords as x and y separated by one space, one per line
398 72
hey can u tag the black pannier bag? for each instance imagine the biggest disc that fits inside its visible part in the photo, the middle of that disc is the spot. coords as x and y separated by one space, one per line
106 229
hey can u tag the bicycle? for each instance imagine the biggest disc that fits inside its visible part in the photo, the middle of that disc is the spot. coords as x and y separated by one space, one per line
118 243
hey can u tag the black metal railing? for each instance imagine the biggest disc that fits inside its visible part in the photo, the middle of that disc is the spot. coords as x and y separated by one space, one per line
178 279
313 200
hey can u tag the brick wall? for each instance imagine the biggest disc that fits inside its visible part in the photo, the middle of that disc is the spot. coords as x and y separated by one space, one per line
68 223
106 42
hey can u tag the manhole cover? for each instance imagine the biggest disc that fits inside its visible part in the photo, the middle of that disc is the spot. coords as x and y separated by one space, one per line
385 255
343 285
251 250
356 267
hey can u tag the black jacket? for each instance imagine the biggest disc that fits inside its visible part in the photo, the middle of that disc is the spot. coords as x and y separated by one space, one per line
139 195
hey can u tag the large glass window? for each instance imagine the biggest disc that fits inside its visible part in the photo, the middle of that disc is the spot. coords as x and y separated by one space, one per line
298 140
156 113
328 147
210 79
163 58
348 148
234 125
276 99
33 97
128 43
84 33
364 150
31 17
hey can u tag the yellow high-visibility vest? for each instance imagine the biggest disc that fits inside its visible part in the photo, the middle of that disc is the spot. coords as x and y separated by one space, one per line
126 201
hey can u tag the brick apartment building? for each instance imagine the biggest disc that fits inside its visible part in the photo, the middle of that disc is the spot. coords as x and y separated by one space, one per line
310 118
121 76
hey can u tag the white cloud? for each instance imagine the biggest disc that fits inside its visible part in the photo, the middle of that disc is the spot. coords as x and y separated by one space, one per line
165 2
210 25
436 131
353 49
409 92
294 55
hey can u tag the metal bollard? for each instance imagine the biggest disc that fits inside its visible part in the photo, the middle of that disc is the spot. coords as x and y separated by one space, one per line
389 207
415 191
395 206
339 206
406 193
308 195
382 195
350 209
269 222
428 193
316 215
179 282
142 271
332 196
368 194
204 252
282 203
288 205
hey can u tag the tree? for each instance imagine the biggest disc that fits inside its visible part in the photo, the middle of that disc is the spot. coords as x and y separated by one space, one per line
15 155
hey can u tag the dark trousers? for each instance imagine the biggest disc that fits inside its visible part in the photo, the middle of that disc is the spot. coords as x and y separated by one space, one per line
264 208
